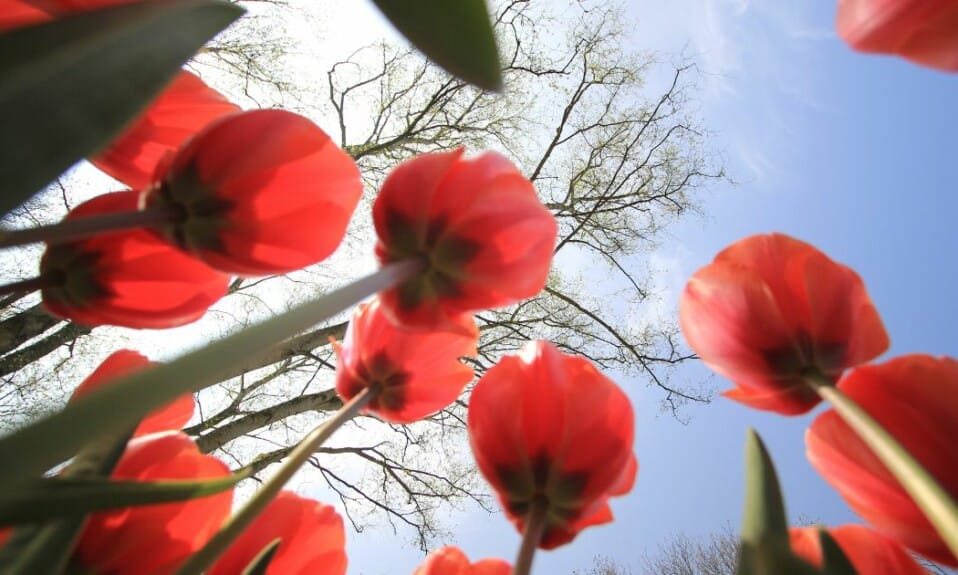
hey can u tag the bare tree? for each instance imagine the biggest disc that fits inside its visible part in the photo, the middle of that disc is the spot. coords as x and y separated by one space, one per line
615 165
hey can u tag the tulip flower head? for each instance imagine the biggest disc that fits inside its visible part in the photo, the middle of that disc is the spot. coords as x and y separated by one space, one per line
923 31
182 110
915 398
170 417
452 561
258 193
769 310
312 539
549 430
869 552
155 539
476 225
414 373
130 278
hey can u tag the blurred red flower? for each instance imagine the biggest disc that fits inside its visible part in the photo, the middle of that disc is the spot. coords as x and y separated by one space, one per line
452 561
312 539
258 193
550 429
184 108
155 539
869 552
915 398
923 31
770 308
16 13
124 362
478 227
416 373
130 278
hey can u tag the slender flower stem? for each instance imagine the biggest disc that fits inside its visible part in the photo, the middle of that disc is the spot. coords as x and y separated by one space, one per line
80 228
240 520
937 505
535 527
16 290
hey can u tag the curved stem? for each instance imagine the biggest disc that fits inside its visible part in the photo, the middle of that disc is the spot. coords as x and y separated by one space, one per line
240 520
937 505
84 227
535 527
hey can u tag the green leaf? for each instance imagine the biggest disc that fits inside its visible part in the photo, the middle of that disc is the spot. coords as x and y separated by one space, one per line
765 548
34 449
54 498
456 34
835 560
260 563
764 509
45 549
67 87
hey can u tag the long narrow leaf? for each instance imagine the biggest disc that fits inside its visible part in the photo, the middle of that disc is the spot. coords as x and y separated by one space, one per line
36 448
67 87
54 498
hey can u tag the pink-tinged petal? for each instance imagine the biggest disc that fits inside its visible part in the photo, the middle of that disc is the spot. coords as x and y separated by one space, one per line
477 225
452 561
769 310
923 31
915 398
869 552
549 428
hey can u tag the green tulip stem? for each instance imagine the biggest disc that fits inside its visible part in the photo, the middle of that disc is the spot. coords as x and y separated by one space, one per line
205 557
532 536
85 227
937 505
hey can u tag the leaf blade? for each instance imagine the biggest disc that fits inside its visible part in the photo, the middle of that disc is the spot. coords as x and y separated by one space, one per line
68 86
456 35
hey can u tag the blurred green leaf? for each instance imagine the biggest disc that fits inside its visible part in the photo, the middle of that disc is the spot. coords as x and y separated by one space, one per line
260 563
45 549
32 450
765 548
456 34
67 87
835 560
54 498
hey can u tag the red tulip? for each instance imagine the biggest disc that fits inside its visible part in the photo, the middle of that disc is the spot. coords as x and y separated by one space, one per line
452 561
312 539
868 552
477 226
915 398
184 108
548 428
130 278
171 417
17 13
415 373
771 308
262 192
155 539
923 31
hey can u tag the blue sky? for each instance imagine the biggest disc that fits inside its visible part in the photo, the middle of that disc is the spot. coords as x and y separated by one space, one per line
853 153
